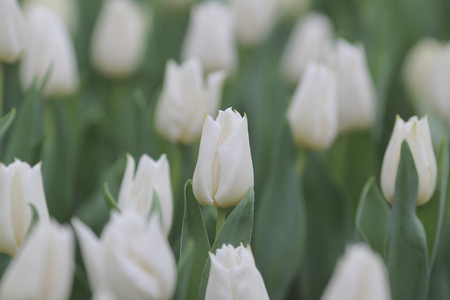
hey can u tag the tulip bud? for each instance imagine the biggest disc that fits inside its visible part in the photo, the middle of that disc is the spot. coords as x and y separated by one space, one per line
312 113
359 274
308 40
417 134
224 171
43 269
185 99
255 19
119 38
438 90
356 93
233 275
20 186
131 260
50 51
136 191
13 31
210 37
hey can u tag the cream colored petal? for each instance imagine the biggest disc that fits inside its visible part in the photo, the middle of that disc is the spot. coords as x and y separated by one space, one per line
219 284
127 183
8 243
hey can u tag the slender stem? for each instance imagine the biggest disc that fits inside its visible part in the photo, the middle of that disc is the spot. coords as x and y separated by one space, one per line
220 220
1 90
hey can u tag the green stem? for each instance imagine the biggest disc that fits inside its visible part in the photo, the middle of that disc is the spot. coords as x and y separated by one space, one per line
220 220
1 90
300 160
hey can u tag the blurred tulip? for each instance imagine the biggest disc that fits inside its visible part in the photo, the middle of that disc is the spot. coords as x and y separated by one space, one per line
131 260
103 295
356 92
312 113
255 19
417 133
119 38
49 51
359 275
438 89
309 38
136 191
43 269
65 9
210 37
234 275
185 99
224 171
13 31
20 186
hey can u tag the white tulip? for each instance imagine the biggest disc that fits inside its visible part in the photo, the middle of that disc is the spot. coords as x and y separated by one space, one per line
20 186
312 113
65 9
438 89
185 99
136 191
50 51
419 64
119 38
210 37
359 275
43 269
255 19
309 38
417 133
13 31
233 275
356 92
224 171
131 260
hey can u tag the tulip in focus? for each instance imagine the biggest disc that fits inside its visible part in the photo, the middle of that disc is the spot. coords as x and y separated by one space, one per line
210 37
359 275
20 186
224 171
417 134
43 269
131 260
309 38
119 38
13 31
312 113
50 51
185 99
233 275
438 89
136 191
356 92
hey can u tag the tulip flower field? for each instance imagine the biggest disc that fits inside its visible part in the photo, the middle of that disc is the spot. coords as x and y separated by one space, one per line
224 149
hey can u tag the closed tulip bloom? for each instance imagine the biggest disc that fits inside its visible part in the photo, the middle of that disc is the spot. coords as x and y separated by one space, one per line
50 51
417 134
131 260
438 90
312 113
233 275
359 274
119 38
20 186
136 191
13 31
43 269
185 99
308 40
224 171
255 19
210 37
356 92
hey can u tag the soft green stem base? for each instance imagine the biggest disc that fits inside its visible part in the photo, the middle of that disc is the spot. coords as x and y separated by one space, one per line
220 220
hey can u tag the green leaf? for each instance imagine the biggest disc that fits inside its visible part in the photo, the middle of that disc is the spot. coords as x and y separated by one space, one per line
372 218
185 267
432 213
237 229
194 228
110 202
5 122
407 257
34 218
280 219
